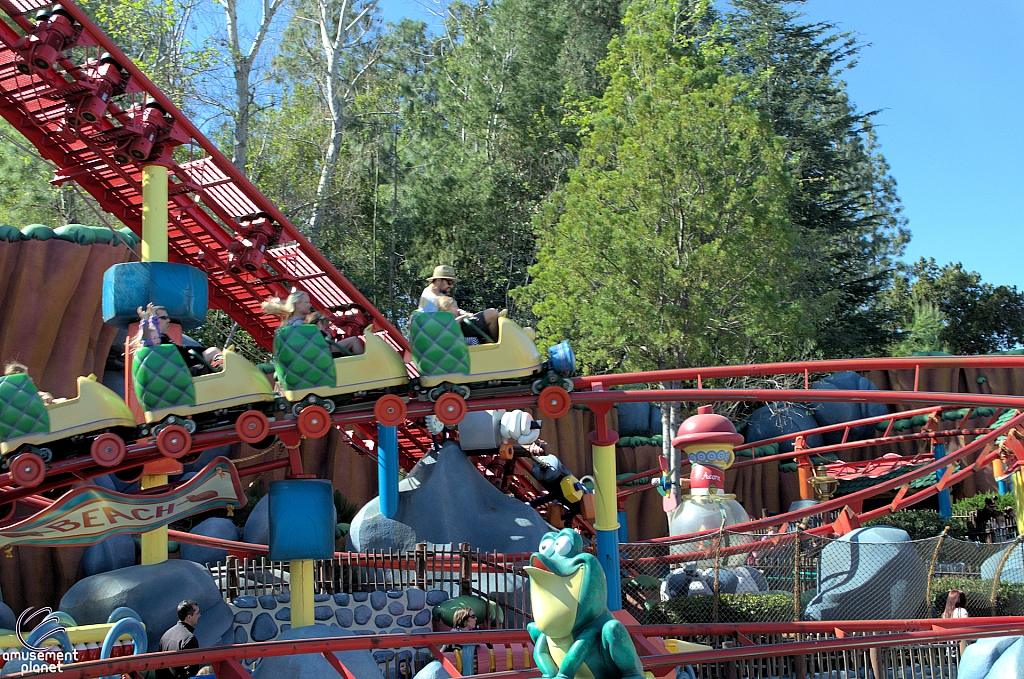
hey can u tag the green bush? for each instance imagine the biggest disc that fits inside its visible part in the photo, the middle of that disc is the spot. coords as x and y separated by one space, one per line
1009 596
973 504
690 610
918 523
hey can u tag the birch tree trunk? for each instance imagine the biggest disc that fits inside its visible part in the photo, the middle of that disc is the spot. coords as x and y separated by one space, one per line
336 37
670 420
242 64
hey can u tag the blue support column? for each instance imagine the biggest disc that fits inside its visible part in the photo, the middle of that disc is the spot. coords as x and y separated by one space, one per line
945 504
387 470
623 530
608 555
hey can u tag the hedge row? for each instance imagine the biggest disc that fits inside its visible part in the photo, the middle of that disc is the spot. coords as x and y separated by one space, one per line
73 233
690 610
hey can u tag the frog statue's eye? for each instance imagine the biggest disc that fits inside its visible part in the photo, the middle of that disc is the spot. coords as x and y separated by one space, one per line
545 546
563 545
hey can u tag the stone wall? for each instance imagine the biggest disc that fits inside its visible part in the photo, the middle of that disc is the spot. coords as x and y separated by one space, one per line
392 612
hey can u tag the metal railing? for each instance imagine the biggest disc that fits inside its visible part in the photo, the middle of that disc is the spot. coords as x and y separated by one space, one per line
456 570
903 649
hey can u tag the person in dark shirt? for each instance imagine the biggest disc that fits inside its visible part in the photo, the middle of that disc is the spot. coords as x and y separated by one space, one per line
347 346
154 323
179 638
982 518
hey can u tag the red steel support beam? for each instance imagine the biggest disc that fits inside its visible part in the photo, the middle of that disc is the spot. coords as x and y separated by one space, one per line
765 369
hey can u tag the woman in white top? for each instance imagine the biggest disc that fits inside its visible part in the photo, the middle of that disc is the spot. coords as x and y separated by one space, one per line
956 607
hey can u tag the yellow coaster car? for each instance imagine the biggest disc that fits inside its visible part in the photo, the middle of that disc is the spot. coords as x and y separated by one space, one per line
447 364
178 404
304 366
97 421
442 355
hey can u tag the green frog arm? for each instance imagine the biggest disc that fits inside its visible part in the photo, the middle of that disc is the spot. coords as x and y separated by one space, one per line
541 656
619 647
586 643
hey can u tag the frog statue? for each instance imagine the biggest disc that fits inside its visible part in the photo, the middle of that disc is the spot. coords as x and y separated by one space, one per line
573 633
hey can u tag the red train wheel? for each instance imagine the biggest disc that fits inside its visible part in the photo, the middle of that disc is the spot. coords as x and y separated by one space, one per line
252 426
554 402
450 408
390 410
173 441
314 422
28 470
107 450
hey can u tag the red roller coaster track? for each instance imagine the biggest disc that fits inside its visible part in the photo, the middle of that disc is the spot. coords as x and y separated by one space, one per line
209 198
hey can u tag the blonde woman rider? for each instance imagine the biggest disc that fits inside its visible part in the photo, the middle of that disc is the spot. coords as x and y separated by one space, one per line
292 310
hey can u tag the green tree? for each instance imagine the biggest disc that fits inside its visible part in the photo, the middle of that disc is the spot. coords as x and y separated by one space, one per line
669 246
977 317
492 139
159 37
844 205
925 332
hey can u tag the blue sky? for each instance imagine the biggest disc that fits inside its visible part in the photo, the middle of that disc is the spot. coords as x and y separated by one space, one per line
948 78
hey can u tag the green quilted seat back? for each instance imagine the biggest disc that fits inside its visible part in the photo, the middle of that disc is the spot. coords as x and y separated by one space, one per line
162 380
303 359
438 345
21 410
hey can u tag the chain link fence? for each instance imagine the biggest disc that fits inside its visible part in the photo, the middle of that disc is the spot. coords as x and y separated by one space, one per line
767 577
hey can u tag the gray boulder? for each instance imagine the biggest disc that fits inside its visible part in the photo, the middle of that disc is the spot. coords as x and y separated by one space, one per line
117 551
870 574
360 663
257 526
835 413
689 581
635 419
1010 664
776 419
683 581
154 592
1013 569
980 656
433 670
214 527
449 501
7 617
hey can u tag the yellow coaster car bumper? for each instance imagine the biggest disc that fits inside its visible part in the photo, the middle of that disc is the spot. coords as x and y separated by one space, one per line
513 356
239 383
94 409
378 367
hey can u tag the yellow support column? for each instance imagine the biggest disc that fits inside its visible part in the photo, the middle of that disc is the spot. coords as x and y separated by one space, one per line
605 488
1018 498
154 543
154 213
154 249
301 589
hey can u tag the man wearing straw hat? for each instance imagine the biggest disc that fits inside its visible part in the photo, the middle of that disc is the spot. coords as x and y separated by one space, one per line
441 284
